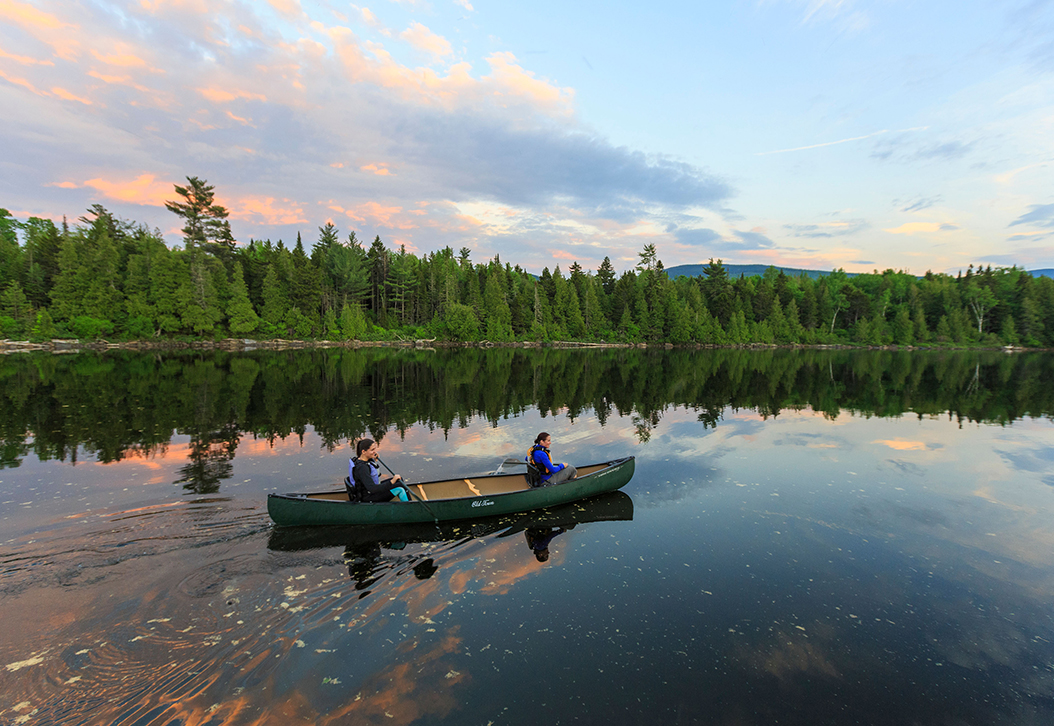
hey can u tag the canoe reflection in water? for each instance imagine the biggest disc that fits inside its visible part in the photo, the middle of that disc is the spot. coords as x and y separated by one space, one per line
371 551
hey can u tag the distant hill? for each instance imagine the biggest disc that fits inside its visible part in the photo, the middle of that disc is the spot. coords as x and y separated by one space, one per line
746 270
735 271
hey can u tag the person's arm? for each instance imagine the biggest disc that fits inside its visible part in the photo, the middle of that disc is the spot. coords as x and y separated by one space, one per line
542 458
364 478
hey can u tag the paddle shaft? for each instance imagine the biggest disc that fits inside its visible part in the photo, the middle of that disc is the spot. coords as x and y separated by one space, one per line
406 486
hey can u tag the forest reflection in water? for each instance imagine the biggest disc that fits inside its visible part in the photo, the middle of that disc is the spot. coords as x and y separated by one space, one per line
810 537
121 405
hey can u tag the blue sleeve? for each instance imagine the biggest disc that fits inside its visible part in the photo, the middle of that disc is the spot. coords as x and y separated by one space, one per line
540 457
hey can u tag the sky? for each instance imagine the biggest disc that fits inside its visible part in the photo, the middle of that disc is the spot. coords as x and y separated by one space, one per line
805 133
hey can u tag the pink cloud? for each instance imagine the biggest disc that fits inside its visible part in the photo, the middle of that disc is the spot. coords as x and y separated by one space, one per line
239 119
420 37
27 15
379 215
219 95
24 83
378 169
124 60
266 210
290 8
144 189
63 93
25 60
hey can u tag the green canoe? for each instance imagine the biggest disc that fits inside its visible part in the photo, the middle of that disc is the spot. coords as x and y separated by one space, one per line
450 499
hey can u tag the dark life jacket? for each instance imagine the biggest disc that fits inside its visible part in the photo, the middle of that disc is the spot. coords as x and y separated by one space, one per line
534 474
357 491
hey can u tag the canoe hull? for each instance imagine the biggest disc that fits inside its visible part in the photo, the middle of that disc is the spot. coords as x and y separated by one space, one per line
299 510
607 507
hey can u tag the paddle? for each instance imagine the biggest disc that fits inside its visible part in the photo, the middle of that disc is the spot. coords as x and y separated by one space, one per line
420 501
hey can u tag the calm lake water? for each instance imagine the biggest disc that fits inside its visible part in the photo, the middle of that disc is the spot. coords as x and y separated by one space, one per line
813 537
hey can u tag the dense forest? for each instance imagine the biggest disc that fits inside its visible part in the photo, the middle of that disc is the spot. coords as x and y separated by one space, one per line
105 277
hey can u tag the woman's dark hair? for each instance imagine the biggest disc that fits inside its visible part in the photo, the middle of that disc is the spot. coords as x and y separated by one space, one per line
541 437
362 446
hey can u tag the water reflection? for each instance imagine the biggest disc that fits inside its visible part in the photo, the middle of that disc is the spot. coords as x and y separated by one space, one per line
122 404
372 553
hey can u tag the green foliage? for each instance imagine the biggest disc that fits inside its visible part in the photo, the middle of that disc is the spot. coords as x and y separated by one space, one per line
461 322
243 319
352 322
86 327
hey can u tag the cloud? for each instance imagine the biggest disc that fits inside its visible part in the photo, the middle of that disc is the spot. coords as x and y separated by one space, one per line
906 150
27 15
840 228
538 166
219 95
25 60
465 4
287 128
921 203
755 239
265 210
289 8
68 96
910 228
697 237
143 190
1040 215
378 169
424 40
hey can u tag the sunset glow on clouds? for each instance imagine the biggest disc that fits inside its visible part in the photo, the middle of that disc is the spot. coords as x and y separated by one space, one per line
546 142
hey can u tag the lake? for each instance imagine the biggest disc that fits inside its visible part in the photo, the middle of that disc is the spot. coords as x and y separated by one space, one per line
811 537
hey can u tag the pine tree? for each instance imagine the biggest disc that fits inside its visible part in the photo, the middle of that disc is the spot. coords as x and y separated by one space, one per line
499 316
10 252
903 328
276 304
241 316
205 224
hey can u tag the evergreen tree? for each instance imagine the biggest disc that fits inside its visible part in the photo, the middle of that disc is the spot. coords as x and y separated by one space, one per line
41 258
903 328
10 252
242 318
199 309
499 316
275 301
17 310
205 224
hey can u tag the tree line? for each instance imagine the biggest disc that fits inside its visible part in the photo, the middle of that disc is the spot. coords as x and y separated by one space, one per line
105 277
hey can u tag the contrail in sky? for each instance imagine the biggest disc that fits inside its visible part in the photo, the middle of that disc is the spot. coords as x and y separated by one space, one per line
842 141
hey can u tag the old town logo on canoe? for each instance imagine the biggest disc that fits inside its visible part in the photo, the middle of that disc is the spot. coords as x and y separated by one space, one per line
482 503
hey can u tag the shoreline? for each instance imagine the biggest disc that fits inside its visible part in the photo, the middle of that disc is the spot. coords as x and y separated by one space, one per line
246 344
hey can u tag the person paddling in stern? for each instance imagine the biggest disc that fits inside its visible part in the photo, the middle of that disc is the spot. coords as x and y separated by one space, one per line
366 476
551 473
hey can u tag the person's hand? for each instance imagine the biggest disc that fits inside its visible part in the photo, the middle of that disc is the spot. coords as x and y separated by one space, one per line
397 477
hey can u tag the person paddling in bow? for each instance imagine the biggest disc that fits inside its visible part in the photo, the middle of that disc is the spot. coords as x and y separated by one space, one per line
366 476
551 473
